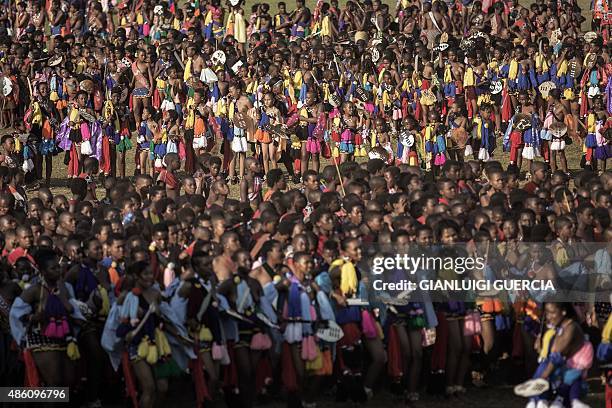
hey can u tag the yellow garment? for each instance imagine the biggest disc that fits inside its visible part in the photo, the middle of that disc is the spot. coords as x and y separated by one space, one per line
105 308
448 75
36 114
189 122
385 98
298 80
561 257
139 19
591 123
187 73
73 351
541 63
513 70
430 132
208 18
325 87
494 66
568 94
562 69
348 276
325 27
546 343
221 108
240 29
469 79
109 110
606 334
176 24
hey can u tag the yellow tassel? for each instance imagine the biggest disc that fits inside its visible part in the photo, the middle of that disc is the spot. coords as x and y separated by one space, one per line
17 145
105 301
363 151
161 341
205 334
546 340
513 70
73 351
335 152
448 77
143 348
152 355
606 334
469 79
373 139
187 73
54 97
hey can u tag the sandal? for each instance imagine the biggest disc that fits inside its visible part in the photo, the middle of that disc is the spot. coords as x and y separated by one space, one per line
532 388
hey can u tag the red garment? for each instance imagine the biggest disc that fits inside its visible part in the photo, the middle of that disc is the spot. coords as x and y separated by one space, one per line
73 164
438 355
105 161
421 220
530 187
516 143
169 179
18 253
395 366
288 369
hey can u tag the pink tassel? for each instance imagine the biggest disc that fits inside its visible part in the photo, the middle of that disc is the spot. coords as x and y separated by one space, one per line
368 325
261 341
85 131
440 159
51 330
309 350
396 115
65 329
217 353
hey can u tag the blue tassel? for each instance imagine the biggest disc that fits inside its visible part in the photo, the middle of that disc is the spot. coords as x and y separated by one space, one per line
303 91
264 121
86 283
294 303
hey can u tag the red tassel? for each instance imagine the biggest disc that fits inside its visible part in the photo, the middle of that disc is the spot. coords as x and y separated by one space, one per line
506 113
352 335
262 373
32 378
395 367
438 355
584 106
130 385
197 374
156 100
105 163
230 374
289 376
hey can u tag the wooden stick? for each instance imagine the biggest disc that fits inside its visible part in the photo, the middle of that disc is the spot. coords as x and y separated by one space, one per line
339 176
566 202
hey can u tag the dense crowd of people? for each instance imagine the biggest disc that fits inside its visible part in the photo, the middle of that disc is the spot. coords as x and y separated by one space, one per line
347 129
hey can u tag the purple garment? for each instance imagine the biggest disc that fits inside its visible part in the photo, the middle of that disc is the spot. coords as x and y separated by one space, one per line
63 136
609 97
96 139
